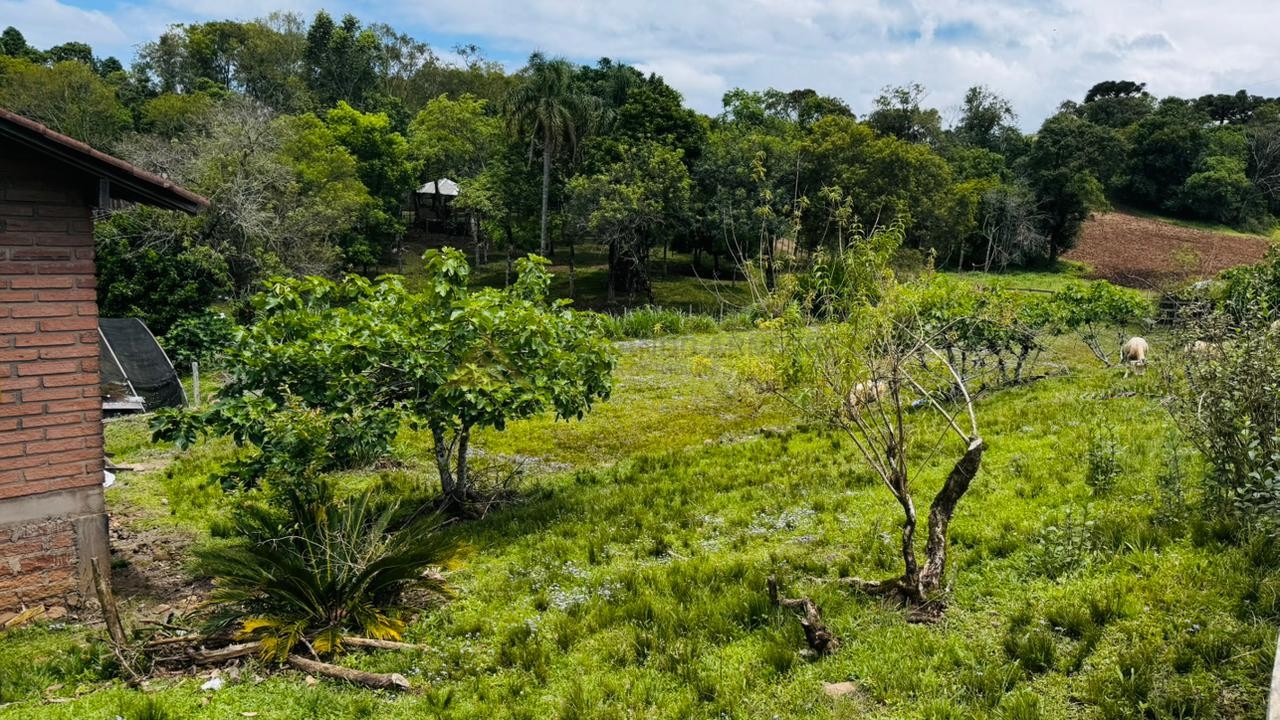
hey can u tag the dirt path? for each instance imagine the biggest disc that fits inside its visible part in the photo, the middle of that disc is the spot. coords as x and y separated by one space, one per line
1145 253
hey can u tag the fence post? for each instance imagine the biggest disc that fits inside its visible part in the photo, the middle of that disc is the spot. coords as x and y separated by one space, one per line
195 382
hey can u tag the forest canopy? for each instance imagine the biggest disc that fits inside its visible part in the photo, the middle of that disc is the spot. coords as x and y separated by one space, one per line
310 135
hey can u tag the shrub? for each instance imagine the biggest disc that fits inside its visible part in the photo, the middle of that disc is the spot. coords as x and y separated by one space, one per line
1089 309
1227 402
1102 457
310 567
202 338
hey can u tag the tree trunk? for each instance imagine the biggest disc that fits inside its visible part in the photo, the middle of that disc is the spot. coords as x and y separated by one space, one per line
545 239
911 568
573 268
461 480
612 279
443 466
940 512
475 238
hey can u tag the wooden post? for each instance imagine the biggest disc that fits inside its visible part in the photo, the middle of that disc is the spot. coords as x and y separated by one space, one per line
195 383
110 613
1273 703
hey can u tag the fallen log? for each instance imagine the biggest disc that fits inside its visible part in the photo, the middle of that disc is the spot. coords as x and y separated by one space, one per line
377 681
356 641
821 640
230 652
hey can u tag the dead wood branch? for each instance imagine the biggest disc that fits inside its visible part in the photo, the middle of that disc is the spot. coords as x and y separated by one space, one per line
371 643
377 681
230 652
821 640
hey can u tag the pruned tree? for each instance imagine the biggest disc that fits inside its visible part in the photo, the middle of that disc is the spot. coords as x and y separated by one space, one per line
866 377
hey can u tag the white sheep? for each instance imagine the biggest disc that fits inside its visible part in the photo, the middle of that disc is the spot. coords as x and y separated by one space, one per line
1134 354
865 393
1202 347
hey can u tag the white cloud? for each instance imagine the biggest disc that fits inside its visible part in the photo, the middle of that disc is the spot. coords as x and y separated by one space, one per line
48 22
1036 52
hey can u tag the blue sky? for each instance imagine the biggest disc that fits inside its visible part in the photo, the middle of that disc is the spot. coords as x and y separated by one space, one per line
1036 52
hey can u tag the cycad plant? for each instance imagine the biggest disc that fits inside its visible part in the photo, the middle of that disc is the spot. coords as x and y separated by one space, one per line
314 569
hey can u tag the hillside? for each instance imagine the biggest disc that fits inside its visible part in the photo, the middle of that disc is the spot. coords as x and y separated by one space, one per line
1145 252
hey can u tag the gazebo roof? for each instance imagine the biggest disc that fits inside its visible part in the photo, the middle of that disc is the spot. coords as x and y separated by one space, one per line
443 186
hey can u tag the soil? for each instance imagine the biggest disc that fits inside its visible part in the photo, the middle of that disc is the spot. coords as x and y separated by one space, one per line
147 568
1150 254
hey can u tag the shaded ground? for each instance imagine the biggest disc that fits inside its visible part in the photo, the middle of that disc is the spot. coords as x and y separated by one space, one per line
1147 253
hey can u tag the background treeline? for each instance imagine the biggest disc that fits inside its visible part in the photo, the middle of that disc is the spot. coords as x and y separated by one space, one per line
308 138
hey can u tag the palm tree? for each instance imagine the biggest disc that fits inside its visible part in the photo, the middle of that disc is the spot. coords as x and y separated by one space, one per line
546 106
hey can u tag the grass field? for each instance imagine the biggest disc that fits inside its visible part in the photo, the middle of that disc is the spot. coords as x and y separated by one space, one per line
629 581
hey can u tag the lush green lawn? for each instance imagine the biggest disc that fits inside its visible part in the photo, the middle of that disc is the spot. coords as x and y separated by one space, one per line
630 581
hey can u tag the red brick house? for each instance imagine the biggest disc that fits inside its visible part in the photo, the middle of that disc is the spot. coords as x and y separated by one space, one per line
52 518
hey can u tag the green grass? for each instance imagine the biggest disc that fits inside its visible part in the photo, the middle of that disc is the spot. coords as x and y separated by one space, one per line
629 582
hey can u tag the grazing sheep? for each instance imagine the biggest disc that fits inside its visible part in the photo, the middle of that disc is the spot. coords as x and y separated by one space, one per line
865 393
1202 347
1134 354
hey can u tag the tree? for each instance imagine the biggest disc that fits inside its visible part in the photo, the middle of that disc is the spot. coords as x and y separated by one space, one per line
384 167
1164 149
457 139
982 116
69 97
1117 103
861 377
546 108
1063 167
362 355
898 113
341 60
14 45
628 205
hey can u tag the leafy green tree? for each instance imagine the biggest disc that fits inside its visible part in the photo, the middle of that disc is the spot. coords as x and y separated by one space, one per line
983 115
361 355
1117 103
547 109
341 60
454 138
1063 167
171 115
68 97
1220 191
628 206
384 166
13 44
898 114
1164 148
144 254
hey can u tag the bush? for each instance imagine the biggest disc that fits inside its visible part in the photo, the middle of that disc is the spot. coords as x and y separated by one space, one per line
202 338
309 567
1227 402
1089 309
1103 461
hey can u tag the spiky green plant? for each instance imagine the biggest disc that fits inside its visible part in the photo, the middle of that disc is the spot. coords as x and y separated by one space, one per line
315 569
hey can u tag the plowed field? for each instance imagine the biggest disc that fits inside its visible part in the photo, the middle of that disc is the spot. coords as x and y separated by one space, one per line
1145 253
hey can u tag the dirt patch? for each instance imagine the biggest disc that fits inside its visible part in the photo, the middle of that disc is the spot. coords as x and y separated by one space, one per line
1145 253
147 568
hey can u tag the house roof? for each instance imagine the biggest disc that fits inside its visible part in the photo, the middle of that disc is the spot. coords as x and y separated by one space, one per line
443 186
126 181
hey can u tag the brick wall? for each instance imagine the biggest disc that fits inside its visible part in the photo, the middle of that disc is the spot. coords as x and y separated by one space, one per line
50 409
